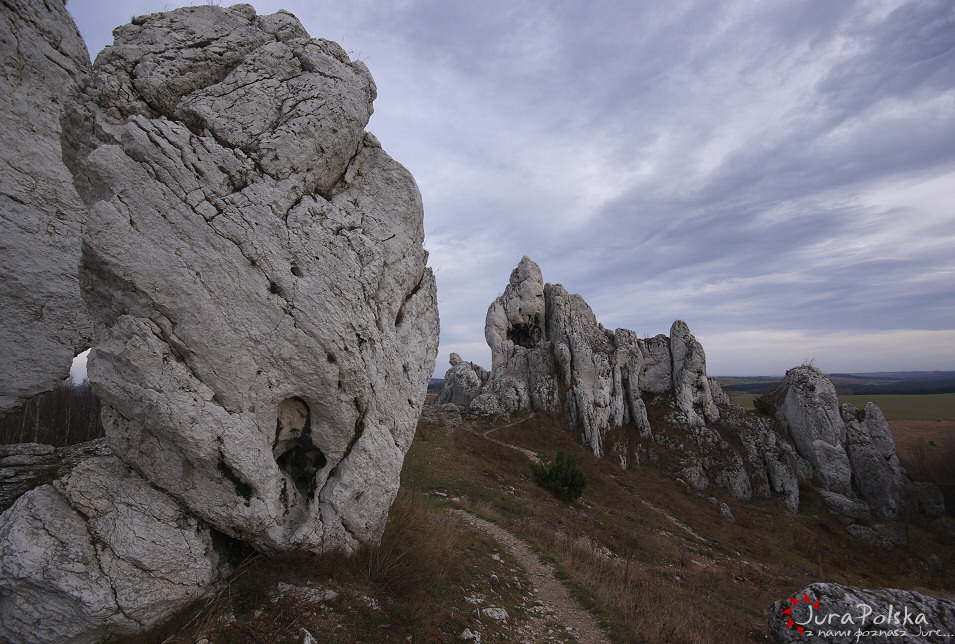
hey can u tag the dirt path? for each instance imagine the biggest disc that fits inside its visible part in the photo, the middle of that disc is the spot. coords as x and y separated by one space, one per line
556 603
526 452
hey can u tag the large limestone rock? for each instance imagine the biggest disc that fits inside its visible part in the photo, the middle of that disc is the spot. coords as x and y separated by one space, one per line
843 614
876 471
266 323
43 62
808 409
100 552
852 452
462 382
549 353
690 384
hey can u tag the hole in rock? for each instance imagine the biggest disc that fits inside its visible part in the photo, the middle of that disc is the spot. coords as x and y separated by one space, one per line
297 456
525 335
296 271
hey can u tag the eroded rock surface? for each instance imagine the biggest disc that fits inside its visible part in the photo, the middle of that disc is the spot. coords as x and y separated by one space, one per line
808 408
99 552
549 352
851 452
43 62
265 322
252 248
462 382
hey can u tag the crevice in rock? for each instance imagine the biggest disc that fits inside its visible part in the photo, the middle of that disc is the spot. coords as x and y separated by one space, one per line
242 488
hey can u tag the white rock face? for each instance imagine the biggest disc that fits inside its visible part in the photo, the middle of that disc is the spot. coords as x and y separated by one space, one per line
101 552
462 382
808 409
852 453
253 255
690 384
549 353
43 62
875 465
843 606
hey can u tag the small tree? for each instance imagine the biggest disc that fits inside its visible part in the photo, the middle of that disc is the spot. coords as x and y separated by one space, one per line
563 478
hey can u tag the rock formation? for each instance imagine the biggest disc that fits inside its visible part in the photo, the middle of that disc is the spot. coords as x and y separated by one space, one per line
462 382
851 452
99 552
252 250
43 62
882 616
265 322
548 352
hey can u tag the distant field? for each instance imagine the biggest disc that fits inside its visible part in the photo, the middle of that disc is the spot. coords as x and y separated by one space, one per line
895 407
903 407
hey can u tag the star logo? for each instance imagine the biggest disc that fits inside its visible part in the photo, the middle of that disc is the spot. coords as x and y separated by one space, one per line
789 611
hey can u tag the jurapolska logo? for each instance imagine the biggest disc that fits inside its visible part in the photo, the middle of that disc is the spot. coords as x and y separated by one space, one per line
789 611
864 622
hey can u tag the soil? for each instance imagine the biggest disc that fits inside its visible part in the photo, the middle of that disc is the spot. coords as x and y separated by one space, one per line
553 616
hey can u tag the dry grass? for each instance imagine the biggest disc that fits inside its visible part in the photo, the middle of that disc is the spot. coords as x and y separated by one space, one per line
660 583
654 560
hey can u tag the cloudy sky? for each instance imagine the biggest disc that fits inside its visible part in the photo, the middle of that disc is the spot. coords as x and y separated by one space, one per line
780 175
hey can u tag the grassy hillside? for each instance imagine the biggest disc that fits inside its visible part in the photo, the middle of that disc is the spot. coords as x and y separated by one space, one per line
653 560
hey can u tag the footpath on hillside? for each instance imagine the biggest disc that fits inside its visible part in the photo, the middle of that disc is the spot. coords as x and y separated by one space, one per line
558 608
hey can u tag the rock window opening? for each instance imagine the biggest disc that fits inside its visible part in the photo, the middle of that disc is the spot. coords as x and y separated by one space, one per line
297 456
525 335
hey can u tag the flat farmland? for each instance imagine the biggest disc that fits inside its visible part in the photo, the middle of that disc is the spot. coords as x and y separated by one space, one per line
931 407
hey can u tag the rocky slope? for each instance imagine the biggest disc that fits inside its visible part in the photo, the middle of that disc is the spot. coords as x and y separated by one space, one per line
549 353
265 323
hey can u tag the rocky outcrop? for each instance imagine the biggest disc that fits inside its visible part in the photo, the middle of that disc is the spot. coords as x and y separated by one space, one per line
842 614
43 62
265 322
253 255
876 472
462 382
549 353
100 552
851 452
808 409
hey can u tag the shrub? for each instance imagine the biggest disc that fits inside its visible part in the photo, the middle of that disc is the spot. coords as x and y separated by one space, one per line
764 407
563 478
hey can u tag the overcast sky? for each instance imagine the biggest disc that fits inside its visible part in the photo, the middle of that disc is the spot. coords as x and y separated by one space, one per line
780 175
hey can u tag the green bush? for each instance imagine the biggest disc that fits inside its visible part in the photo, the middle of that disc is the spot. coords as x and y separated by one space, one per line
764 407
563 478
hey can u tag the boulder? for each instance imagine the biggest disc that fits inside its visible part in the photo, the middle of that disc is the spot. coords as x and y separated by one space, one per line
24 466
808 409
876 472
100 552
884 616
462 382
43 63
846 509
266 322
